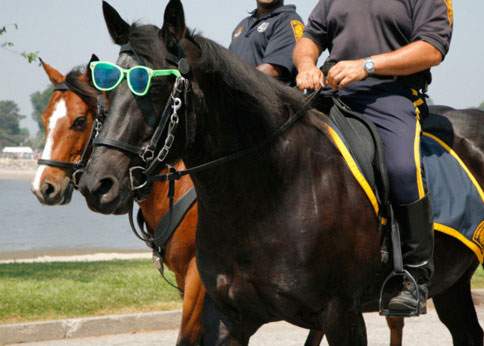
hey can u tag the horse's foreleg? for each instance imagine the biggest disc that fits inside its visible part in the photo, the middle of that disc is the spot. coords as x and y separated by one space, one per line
193 299
456 310
217 330
344 326
314 338
396 330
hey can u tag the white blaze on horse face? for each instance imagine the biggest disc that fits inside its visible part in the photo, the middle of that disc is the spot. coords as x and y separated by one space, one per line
60 111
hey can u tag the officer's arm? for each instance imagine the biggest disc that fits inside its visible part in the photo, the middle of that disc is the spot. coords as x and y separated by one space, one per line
305 56
271 70
414 57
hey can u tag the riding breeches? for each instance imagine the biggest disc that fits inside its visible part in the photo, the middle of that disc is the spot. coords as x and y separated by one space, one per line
396 113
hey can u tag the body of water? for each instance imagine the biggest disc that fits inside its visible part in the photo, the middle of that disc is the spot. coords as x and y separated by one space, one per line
29 228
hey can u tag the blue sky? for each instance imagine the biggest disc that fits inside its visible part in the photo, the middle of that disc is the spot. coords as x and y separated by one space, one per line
66 32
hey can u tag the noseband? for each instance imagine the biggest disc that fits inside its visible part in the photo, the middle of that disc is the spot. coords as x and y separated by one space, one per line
76 169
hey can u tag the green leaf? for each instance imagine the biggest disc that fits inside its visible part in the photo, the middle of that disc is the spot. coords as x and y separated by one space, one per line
31 56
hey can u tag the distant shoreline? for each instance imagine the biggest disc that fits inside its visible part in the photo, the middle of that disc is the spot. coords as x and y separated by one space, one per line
17 174
17 169
66 254
91 257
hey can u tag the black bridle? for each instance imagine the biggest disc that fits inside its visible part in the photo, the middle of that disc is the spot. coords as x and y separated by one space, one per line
153 154
77 167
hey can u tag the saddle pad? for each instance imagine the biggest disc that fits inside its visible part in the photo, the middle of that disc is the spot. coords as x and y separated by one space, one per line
457 199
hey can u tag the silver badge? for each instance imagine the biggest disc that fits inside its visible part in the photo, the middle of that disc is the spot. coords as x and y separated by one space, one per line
263 27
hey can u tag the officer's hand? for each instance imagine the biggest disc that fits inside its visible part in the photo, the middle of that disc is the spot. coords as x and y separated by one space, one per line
310 77
346 72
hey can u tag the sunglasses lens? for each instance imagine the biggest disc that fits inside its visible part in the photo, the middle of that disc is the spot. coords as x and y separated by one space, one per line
106 76
139 79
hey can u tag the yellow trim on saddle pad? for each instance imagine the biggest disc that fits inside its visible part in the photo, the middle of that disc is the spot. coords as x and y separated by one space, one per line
456 234
458 159
416 153
355 170
477 246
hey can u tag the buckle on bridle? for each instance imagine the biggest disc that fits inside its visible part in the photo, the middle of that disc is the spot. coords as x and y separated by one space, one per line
132 171
148 154
76 177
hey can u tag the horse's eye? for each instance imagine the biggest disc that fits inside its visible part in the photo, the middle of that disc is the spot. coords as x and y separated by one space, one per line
80 123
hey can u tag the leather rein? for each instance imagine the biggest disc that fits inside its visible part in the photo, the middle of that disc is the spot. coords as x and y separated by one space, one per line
154 154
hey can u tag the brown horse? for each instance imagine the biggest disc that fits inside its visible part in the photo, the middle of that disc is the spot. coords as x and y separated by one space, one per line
68 120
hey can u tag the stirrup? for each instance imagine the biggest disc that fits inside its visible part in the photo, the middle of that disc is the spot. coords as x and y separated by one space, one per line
398 271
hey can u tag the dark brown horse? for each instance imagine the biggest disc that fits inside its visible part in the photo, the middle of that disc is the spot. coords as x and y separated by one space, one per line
285 233
68 120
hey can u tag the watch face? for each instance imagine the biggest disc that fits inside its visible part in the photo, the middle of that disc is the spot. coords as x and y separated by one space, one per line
370 66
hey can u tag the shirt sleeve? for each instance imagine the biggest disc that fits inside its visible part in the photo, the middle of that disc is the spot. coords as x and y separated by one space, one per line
282 42
316 28
433 22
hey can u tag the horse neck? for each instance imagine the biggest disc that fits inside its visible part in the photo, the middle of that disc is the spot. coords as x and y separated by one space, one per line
223 129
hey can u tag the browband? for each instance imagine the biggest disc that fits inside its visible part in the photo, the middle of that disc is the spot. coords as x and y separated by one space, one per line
61 87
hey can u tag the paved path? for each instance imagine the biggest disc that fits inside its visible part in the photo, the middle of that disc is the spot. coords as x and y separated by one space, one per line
423 331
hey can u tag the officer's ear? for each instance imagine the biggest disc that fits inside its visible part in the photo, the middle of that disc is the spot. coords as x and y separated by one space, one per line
174 27
117 27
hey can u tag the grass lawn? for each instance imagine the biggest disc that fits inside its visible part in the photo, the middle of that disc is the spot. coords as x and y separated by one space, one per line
43 291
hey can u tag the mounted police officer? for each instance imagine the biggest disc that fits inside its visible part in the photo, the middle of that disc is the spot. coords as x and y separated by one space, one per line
266 39
383 52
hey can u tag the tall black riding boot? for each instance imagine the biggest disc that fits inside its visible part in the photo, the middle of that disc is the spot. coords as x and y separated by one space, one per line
416 227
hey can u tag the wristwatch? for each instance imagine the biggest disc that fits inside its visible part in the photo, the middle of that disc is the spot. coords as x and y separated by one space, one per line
369 65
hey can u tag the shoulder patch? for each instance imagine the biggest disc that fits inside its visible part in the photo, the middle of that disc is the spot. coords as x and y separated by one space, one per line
239 31
298 28
263 27
450 11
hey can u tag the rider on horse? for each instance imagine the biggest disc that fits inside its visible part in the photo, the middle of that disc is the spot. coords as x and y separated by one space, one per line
266 39
383 53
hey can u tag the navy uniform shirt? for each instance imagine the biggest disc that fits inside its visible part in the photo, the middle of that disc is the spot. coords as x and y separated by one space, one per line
355 29
269 39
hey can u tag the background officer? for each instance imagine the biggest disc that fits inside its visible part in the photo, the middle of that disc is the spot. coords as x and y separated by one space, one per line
266 38
384 51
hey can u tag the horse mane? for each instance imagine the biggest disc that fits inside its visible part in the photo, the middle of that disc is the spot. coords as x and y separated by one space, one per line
241 83
77 82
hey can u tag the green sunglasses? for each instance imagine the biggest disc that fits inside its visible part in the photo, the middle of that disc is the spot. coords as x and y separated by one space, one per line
107 76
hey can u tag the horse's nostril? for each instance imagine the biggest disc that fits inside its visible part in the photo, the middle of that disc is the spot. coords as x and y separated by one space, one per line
105 186
47 190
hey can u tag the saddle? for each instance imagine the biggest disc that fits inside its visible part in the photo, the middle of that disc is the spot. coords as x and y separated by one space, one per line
361 139
457 198
364 144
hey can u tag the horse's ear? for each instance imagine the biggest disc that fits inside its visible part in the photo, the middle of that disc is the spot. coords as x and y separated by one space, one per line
87 73
117 27
55 76
174 26
93 58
